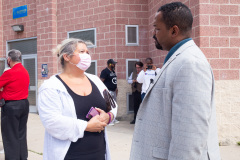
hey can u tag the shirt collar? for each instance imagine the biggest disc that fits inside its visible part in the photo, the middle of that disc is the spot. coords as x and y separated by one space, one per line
174 48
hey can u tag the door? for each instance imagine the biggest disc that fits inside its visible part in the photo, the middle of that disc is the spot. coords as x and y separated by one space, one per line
30 63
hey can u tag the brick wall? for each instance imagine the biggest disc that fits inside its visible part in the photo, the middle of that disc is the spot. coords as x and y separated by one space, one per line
109 19
1 33
29 22
46 35
221 37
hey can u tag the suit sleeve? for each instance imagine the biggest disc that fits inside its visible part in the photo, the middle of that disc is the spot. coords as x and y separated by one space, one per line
191 111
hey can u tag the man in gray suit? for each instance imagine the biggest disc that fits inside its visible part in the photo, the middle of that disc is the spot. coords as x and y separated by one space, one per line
177 118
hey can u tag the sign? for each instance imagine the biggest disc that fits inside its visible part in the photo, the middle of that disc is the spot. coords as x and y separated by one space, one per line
44 70
20 12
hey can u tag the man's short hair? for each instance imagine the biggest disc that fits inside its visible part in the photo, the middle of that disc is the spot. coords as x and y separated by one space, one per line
15 55
148 59
139 64
178 14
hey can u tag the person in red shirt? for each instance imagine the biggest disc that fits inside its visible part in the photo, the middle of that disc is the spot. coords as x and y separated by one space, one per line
14 114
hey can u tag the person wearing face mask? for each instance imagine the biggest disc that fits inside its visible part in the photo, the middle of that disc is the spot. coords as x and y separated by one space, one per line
14 113
64 102
109 78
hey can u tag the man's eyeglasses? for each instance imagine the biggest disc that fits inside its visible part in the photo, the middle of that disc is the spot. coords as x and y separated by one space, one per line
109 100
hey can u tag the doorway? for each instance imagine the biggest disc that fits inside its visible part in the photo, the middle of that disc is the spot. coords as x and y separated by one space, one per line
28 48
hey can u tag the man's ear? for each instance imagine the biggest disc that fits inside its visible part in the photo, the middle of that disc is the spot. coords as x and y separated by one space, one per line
175 30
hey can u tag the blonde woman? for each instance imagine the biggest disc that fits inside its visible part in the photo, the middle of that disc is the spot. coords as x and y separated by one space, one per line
65 100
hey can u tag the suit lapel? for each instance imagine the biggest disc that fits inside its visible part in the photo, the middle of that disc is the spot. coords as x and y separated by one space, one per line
173 57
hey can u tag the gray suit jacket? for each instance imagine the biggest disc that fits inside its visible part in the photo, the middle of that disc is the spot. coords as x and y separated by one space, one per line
177 118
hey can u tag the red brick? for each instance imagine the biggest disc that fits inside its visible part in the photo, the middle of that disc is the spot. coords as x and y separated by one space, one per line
93 18
219 1
99 10
99 23
122 7
209 31
229 31
88 25
216 74
219 42
229 75
88 12
104 16
142 14
121 21
135 8
229 9
234 63
109 8
208 9
204 42
135 21
234 42
229 52
93 4
104 42
129 14
211 52
219 63
234 20
235 1
219 20
104 2
109 35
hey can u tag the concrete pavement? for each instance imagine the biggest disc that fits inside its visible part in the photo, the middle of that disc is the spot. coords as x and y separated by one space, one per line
120 139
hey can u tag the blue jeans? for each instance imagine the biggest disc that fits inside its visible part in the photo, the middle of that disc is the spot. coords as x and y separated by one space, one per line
143 95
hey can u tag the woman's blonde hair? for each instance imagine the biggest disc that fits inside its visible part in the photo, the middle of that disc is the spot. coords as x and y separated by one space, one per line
67 46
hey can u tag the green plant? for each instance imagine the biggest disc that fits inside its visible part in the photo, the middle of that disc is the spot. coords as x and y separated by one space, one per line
238 143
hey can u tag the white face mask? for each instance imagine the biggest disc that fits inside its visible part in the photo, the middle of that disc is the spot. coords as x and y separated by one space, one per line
85 61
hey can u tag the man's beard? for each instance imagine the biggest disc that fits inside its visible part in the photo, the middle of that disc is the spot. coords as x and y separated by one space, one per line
158 46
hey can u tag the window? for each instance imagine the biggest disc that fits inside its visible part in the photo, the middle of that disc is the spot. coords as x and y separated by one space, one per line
130 66
2 65
131 32
86 35
93 68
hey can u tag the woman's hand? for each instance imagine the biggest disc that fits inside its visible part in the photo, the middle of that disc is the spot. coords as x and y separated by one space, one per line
95 124
104 117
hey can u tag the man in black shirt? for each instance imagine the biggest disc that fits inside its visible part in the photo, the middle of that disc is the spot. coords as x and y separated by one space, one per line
109 78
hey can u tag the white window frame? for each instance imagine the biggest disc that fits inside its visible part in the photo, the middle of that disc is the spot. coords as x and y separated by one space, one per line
126 35
95 66
95 35
127 60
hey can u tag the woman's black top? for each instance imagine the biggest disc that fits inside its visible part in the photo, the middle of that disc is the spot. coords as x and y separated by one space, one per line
92 146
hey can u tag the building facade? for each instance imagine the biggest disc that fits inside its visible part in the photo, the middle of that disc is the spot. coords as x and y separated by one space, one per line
122 30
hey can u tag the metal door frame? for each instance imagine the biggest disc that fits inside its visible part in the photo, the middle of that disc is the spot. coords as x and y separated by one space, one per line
33 56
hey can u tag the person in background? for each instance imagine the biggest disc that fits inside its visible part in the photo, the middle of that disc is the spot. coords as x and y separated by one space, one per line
64 101
136 88
177 117
14 114
109 78
147 75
